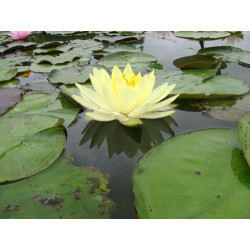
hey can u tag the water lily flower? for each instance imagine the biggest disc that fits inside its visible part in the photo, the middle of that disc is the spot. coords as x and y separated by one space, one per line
18 35
125 97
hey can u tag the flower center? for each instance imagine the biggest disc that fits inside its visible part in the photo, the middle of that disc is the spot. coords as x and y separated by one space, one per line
132 80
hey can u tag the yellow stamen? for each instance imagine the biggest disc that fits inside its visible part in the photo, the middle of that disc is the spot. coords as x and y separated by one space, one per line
133 80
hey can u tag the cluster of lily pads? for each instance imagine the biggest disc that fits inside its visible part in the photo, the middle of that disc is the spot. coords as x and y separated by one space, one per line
172 180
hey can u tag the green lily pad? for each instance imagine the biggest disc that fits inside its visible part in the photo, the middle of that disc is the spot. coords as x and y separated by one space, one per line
48 104
23 69
39 86
71 75
61 191
244 135
197 84
13 61
231 111
60 59
9 97
53 50
70 90
18 46
196 62
197 175
202 35
228 54
31 155
7 73
47 68
110 39
136 60
51 44
28 125
9 84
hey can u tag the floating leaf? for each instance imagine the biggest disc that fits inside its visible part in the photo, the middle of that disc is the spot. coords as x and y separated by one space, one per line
9 97
110 39
196 62
31 155
18 46
202 35
231 111
39 86
136 60
7 73
196 175
59 49
197 84
9 84
61 191
50 104
60 59
51 44
13 61
244 135
71 75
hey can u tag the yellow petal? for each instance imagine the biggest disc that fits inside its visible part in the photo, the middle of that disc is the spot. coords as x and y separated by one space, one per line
98 116
156 115
163 104
132 122
128 71
110 99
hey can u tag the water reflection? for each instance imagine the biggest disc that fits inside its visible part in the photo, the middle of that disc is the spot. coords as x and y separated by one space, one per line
129 140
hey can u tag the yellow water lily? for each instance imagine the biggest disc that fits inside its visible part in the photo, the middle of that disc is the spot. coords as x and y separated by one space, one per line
126 97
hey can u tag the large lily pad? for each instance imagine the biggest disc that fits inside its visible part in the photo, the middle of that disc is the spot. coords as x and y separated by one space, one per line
228 110
196 175
228 54
197 84
136 60
202 35
31 155
196 62
13 61
7 73
51 44
18 46
28 125
61 191
71 75
9 97
52 50
244 135
50 104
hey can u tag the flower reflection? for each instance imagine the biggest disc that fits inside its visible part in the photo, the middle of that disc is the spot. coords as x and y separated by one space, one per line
129 140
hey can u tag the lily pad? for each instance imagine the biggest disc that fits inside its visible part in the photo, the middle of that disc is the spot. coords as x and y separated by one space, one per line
9 97
53 50
113 39
7 73
136 60
196 62
197 175
202 35
228 112
60 59
39 86
244 135
197 84
51 44
228 54
75 193
13 61
71 75
31 155
9 84
48 104
28 125
18 46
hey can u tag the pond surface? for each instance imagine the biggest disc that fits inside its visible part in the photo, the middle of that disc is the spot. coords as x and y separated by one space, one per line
117 154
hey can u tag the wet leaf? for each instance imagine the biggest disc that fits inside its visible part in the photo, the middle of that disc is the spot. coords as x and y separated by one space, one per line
18 46
244 135
201 84
231 111
31 155
50 104
61 191
60 59
71 75
202 35
51 44
196 62
9 97
180 180
137 60
13 61
7 73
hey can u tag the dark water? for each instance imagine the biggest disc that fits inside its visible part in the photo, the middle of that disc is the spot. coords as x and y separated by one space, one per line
116 152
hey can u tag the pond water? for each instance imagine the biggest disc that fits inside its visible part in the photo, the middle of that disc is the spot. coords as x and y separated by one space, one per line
116 150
